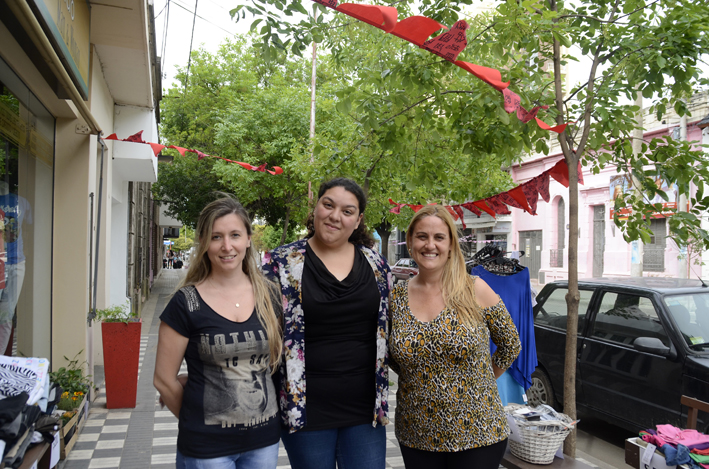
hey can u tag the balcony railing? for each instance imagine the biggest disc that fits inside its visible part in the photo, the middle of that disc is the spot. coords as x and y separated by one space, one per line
556 258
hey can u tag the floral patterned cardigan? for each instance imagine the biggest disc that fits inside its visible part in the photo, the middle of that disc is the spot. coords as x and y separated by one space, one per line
284 265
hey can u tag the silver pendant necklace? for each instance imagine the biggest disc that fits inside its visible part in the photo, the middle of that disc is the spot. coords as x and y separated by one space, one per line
210 282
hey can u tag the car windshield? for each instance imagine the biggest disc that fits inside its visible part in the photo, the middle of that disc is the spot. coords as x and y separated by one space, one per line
691 314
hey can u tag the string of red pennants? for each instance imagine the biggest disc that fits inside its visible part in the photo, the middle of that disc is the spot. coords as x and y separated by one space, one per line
158 147
524 196
448 45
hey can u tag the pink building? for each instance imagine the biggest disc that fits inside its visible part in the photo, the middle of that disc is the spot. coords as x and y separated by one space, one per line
602 251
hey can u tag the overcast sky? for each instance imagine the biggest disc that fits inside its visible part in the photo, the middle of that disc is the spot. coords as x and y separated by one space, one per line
212 26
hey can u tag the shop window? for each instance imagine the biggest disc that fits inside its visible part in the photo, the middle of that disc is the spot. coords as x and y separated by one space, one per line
26 189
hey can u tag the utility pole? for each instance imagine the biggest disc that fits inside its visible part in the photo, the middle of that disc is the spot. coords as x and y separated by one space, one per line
312 108
636 247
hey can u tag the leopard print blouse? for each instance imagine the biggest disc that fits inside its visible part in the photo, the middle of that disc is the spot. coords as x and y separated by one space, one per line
447 398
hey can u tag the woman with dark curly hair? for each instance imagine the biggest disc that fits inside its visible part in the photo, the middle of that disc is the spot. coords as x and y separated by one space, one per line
334 283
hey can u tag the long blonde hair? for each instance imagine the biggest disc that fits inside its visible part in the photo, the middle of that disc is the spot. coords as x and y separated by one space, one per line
265 291
457 286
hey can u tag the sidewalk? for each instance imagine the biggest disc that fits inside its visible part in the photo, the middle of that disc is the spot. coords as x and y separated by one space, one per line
146 437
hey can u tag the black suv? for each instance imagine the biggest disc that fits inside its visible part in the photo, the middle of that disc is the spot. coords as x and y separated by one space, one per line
642 343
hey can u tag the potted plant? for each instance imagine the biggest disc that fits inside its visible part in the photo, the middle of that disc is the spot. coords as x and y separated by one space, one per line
120 331
71 407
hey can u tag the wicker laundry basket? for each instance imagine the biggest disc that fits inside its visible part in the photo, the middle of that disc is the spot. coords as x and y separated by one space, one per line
540 439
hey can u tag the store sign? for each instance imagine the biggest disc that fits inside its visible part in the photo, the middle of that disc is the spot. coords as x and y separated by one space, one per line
68 24
620 184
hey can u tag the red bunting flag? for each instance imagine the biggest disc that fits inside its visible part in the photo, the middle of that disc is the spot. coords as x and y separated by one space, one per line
516 198
449 44
416 29
497 205
542 182
158 147
380 17
483 206
490 76
460 213
451 211
530 192
470 206
558 128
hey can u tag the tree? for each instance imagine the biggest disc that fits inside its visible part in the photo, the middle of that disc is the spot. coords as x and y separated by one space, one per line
632 46
185 241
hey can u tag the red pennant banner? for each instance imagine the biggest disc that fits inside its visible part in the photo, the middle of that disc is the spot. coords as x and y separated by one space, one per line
452 212
497 206
380 17
449 44
158 147
416 29
461 215
483 206
532 194
490 76
471 206
524 196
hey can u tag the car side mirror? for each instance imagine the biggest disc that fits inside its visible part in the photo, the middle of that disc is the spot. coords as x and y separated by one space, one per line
653 345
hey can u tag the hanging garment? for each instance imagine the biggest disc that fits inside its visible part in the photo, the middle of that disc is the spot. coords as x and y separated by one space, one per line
515 291
511 392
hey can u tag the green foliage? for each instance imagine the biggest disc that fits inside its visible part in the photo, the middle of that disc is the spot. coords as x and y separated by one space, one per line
116 313
71 377
185 241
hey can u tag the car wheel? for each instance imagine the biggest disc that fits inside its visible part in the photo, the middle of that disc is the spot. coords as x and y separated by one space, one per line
540 392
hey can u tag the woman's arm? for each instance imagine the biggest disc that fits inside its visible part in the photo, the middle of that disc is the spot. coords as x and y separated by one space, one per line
171 351
503 331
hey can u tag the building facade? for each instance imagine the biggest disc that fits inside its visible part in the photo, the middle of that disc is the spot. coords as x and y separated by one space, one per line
81 228
602 251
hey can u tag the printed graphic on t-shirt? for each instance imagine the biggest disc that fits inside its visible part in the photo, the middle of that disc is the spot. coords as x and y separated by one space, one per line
237 379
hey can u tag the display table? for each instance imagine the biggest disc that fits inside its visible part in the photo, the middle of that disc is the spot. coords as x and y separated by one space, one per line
513 462
38 456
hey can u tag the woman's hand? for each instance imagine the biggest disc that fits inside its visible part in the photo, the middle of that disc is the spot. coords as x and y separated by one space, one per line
171 351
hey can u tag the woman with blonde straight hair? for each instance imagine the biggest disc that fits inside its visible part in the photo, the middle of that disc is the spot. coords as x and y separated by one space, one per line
449 414
225 322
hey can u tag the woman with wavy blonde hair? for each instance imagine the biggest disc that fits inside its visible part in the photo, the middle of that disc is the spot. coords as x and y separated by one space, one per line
449 414
225 322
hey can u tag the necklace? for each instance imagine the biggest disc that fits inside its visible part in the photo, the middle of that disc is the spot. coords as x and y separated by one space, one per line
210 282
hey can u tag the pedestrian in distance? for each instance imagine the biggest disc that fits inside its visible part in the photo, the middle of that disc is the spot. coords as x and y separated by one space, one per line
335 294
449 414
225 321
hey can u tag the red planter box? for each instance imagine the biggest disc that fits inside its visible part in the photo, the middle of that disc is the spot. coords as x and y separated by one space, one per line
121 351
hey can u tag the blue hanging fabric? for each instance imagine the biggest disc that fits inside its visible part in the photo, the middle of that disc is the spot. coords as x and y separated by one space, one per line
516 292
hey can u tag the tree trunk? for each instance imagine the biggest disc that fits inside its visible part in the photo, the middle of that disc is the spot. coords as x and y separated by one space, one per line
572 303
384 231
285 227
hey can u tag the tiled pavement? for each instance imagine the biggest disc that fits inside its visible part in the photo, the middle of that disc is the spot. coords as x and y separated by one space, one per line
146 437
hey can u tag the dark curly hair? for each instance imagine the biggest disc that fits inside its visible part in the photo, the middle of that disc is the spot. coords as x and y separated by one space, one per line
360 235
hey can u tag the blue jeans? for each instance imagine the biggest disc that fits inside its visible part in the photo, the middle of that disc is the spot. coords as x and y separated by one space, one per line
262 458
356 447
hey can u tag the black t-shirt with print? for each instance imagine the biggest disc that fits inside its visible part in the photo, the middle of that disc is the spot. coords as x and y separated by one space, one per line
229 403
